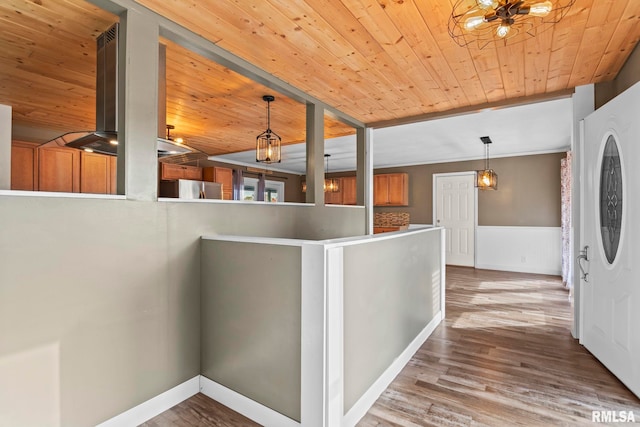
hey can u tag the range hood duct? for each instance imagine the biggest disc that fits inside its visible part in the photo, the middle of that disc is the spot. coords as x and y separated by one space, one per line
104 139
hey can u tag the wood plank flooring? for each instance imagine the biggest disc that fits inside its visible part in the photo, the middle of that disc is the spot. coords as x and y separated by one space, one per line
201 411
504 356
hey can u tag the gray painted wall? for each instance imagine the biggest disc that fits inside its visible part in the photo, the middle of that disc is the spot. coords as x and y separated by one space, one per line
386 305
251 321
528 191
629 75
110 289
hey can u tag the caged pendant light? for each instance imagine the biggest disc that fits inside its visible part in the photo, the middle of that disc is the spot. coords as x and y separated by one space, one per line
268 143
331 185
486 179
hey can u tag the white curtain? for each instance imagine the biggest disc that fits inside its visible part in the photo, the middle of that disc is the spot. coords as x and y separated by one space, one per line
565 194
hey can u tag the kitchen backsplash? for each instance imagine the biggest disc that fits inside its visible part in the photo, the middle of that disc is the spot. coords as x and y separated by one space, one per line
390 219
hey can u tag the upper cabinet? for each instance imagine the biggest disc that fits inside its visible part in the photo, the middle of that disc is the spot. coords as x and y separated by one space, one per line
223 176
391 189
61 169
24 166
58 169
348 188
171 172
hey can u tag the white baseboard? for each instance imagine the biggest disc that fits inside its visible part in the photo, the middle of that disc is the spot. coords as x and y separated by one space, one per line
256 411
155 406
245 406
518 269
367 400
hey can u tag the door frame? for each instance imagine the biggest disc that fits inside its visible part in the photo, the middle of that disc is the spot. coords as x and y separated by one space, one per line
617 119
434 199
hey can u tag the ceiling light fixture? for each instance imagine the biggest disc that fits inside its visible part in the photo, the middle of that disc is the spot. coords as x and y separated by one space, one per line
331 185
482 22
486 179
268 143
170 138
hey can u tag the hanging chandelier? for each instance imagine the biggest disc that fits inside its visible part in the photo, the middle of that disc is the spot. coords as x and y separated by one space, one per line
330 185
268 143
482 22
486 179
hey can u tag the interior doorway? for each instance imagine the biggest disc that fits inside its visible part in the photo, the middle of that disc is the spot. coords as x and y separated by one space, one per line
455 207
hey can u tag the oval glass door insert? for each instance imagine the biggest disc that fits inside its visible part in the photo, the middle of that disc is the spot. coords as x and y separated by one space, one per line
611 199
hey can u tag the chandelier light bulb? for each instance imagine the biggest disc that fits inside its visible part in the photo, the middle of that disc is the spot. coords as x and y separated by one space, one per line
486 180
503 30
540 9
473 22
486 3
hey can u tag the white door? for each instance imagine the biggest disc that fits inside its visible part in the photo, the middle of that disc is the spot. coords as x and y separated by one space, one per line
455 210
610 295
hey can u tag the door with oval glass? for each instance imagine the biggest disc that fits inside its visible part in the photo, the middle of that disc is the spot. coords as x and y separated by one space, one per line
610 285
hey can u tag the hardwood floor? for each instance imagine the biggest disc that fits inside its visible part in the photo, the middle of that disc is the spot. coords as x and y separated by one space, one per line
504 356
200 411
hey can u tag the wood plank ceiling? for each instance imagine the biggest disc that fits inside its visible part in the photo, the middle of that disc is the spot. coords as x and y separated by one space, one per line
376 60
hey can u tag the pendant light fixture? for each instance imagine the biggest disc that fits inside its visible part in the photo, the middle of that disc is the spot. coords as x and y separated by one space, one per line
486 179
268 142
331 185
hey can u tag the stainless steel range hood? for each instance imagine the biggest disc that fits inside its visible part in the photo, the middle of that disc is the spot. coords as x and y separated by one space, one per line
104 139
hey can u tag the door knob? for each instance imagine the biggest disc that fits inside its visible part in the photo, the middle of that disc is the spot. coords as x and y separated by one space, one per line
584 255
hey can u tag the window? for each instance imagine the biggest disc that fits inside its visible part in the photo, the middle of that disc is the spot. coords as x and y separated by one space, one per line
273 190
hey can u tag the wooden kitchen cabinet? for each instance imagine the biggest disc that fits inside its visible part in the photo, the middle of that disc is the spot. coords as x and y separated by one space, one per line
58 169
24 166
391 189
223 176
192 172
349 190
97 173
171 172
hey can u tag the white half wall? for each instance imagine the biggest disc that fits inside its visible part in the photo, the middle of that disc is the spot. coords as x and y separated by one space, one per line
521 249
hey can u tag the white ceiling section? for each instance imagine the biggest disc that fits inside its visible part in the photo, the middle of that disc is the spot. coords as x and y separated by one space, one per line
537 128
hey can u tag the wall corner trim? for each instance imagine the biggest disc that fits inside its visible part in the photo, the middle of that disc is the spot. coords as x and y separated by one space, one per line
156 405
199 384
243 405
